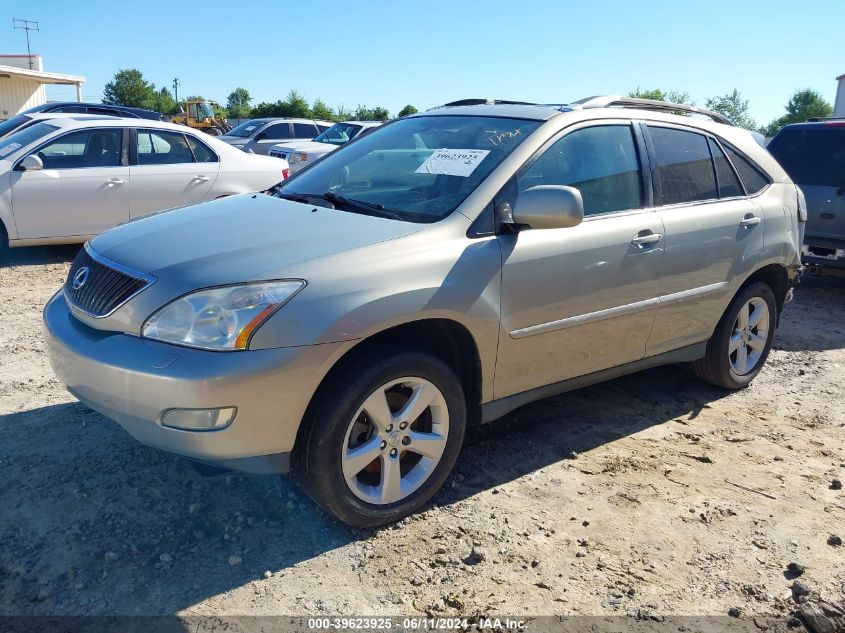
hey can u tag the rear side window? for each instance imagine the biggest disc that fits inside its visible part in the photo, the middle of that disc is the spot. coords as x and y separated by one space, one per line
753 179
812 156
601 162
163 147
202 153
729 185
304 130
684 168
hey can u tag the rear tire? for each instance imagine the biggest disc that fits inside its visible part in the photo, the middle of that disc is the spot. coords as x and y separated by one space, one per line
381 437
742 340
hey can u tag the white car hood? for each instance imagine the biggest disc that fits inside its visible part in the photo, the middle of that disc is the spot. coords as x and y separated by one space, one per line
303 146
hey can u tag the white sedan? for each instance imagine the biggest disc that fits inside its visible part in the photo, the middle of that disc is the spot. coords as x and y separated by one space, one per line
65 180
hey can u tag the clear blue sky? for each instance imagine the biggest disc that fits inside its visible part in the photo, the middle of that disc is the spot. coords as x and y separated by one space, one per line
427 53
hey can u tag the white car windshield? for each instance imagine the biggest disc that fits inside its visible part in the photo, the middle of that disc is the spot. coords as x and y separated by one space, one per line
24 137
338 134
417 169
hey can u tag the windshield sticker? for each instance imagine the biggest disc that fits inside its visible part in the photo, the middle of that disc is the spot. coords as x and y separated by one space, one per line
11 147
453 162
250 128
500 138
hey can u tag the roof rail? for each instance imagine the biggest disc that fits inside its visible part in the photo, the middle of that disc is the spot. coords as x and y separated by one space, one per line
615 101
469 102
817 119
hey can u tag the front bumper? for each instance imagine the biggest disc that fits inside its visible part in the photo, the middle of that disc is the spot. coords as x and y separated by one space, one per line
134 381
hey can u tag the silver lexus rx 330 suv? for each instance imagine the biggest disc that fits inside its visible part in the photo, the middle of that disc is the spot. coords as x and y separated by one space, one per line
435 274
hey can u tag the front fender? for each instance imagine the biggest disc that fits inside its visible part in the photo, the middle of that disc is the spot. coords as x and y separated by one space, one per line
358 294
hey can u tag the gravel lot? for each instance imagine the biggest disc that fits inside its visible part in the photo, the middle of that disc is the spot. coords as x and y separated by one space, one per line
615 500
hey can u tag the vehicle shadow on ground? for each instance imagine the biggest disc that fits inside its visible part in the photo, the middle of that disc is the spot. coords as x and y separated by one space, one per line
86 502
38 255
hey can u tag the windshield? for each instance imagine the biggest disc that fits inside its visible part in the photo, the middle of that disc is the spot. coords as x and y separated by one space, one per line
419 168
10 125
338 134
812 156
205 110
24 137
245 130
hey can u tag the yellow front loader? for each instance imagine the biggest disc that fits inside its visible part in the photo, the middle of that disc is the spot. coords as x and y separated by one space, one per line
200 116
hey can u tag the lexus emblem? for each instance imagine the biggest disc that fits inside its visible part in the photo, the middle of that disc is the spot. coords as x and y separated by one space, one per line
80 278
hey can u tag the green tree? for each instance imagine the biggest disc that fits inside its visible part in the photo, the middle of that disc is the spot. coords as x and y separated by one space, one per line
734 107
673 96
342 113
264 109
320 110
365 113
802 106
407 110
163 102
238 102
129 88
295 105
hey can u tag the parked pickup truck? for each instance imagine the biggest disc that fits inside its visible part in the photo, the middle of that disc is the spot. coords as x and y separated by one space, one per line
300 154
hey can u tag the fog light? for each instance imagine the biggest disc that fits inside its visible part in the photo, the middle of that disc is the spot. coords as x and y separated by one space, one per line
199 419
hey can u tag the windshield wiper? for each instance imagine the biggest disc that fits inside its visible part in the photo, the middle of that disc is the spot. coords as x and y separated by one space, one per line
367 208
293 196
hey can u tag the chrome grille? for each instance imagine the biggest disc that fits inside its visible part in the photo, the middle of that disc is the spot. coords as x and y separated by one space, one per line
104 287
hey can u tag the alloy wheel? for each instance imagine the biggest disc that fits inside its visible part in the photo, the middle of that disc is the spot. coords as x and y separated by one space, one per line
395 440
749 336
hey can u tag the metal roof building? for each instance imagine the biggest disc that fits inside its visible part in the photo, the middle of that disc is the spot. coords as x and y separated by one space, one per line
22 87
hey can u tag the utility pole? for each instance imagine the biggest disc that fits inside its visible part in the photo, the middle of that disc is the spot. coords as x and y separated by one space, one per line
26 25
176 91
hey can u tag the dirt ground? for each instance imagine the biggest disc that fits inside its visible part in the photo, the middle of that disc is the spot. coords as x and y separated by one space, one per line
649 495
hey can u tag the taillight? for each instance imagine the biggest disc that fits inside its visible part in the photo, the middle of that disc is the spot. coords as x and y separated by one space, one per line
802 205
285 174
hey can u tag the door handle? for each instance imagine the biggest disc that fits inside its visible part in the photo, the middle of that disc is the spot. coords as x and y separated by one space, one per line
111 182
749 221
641 241
201 178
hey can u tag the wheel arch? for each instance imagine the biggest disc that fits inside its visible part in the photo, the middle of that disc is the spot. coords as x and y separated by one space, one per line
447 339
776 276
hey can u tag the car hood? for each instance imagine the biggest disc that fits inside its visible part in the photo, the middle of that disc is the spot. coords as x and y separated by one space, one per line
240 238
234 140
304 146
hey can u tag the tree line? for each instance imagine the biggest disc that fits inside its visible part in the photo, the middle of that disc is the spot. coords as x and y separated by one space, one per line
129 87
802 106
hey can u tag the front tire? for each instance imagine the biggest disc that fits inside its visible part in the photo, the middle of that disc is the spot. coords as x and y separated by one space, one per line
381 437
742 340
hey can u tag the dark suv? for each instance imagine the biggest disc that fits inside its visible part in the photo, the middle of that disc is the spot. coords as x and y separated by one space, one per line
109 109
813 154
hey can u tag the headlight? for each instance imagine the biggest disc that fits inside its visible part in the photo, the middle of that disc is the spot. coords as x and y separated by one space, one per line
219 318
297 157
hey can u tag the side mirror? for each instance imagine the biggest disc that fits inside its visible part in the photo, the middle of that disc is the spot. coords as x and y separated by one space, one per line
549 207
260 136
31 163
